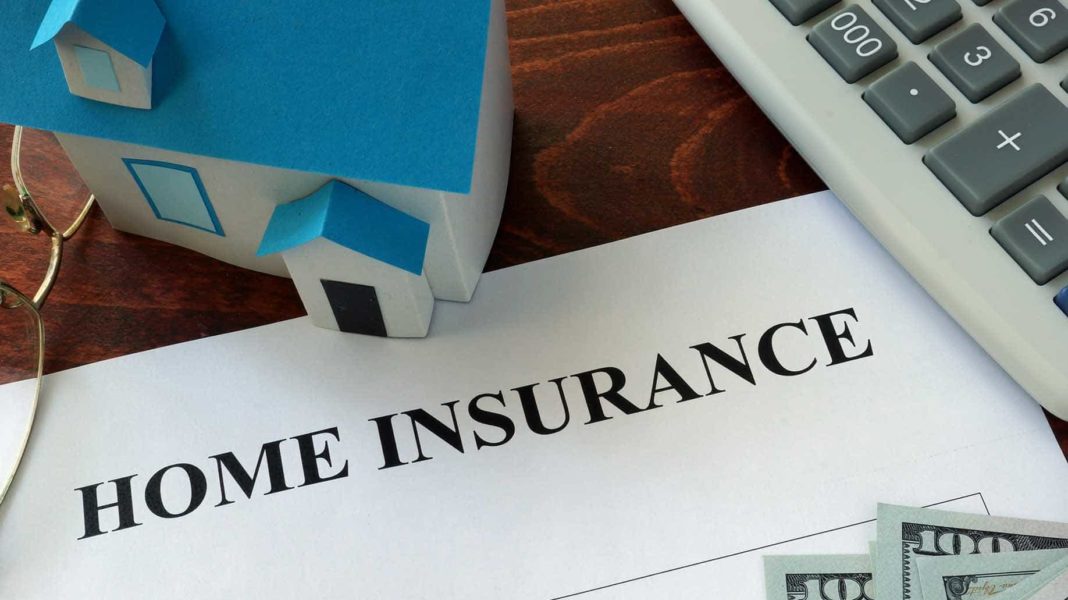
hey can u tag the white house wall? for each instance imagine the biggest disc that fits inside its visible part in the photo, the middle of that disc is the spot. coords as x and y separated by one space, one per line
404 298
493 155
135 81
243 196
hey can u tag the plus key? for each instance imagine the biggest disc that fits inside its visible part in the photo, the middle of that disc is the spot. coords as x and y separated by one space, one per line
1007 150
1009 140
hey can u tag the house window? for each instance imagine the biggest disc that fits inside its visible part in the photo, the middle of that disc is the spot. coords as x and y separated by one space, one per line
175 193
97 69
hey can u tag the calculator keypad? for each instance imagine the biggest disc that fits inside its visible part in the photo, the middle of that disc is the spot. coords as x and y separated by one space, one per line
853 43
975 63
920 20
910 102
1040 27
1036 236
993 158
1008 149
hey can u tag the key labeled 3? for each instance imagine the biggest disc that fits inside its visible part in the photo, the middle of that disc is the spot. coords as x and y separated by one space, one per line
975 63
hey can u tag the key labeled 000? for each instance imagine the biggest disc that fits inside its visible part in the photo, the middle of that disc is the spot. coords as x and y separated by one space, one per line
853 43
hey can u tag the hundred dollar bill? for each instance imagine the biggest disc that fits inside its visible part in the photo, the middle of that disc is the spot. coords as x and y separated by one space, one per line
1050 583
834 577
1055 590
970 576
907 533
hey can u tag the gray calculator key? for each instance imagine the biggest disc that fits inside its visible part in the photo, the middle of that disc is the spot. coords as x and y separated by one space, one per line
981 2
1063 187
920 20
1040 27
799 11
1036 236
1008 149
975 63
853 43
910 102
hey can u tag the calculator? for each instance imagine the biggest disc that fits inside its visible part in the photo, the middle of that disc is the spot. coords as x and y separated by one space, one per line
943 126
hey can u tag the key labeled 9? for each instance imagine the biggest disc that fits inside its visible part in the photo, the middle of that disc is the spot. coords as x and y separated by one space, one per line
1043 17
1039 27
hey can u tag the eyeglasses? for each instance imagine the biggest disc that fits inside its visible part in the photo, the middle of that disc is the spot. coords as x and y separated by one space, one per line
22 335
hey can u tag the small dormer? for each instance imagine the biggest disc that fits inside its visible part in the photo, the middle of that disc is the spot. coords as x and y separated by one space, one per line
106 47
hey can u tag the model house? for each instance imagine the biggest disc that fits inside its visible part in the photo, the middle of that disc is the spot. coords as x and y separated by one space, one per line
360 148
105 48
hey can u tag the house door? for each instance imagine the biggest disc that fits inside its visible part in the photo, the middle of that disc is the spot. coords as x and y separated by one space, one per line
355 307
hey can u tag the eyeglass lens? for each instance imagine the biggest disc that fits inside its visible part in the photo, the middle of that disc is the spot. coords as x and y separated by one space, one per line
21 351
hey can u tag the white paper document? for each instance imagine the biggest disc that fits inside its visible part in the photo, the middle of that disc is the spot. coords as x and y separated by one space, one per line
644 419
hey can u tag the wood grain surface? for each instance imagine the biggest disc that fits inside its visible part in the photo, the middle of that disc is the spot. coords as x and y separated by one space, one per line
625 123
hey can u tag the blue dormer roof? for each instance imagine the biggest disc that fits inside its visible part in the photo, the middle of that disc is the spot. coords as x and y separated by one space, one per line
380 90
351 218
132 27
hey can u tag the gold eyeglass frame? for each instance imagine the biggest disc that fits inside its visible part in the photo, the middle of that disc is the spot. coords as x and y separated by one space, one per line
19 204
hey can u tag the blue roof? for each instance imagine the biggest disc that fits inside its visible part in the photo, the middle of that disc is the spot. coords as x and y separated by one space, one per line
132 27
351 218
381 90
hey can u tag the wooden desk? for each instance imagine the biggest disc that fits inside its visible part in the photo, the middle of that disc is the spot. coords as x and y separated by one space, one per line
625 123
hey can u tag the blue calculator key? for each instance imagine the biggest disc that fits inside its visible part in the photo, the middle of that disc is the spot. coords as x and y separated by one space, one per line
1062 300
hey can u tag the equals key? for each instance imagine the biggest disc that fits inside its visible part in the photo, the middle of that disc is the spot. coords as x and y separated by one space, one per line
1039 232
1036 236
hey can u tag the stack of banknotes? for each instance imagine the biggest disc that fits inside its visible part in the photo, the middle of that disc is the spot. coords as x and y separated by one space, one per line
924 554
